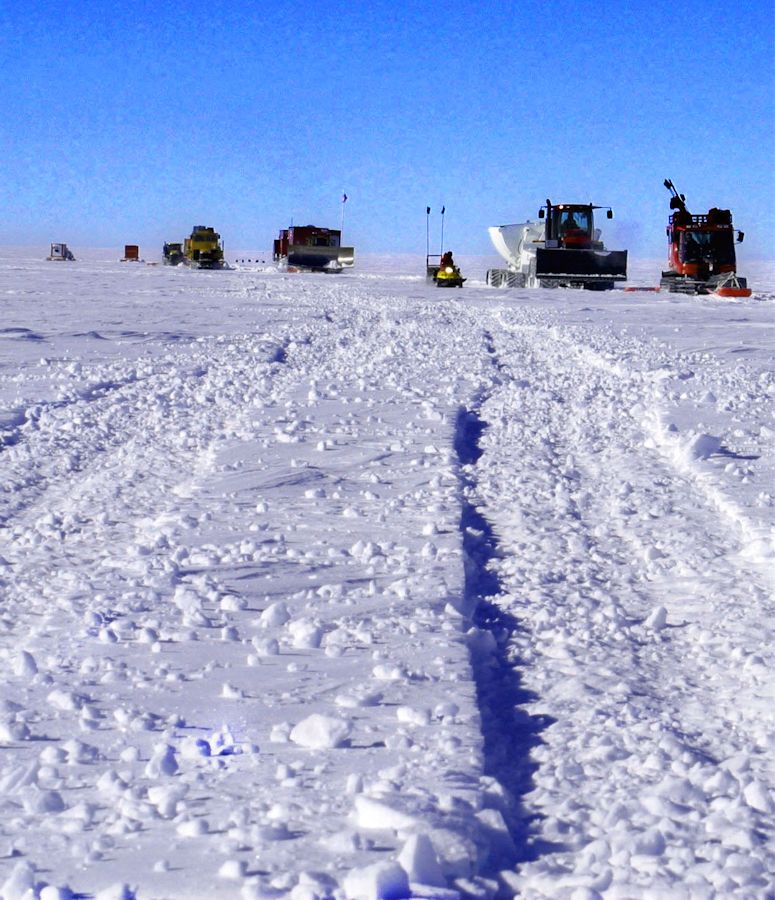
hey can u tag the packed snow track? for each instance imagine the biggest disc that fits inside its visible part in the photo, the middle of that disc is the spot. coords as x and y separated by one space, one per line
320 587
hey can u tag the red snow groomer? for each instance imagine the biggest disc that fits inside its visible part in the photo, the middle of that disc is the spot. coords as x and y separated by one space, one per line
701 251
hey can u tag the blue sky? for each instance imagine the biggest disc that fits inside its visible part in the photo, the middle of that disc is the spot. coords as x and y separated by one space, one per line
130 122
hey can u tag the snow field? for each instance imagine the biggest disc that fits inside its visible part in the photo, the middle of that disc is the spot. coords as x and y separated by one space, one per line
322 587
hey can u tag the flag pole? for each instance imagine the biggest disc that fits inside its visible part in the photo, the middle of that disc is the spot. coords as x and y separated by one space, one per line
427 232
344 200
443 210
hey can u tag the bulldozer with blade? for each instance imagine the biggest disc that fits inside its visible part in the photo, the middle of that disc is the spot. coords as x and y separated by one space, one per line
562 250
701 251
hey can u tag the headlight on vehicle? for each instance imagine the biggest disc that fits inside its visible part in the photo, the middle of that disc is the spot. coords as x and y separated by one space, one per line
449 270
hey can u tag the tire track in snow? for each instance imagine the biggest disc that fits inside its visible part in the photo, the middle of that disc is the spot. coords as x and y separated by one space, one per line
685 453
96 472
585 613
509 732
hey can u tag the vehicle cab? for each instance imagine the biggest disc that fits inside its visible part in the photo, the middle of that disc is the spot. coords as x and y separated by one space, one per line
571 225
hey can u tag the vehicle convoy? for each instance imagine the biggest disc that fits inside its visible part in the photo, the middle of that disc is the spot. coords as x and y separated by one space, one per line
442 270
313 249
563 250
701 251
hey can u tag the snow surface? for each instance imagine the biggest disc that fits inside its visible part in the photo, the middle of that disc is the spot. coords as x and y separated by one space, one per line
348 587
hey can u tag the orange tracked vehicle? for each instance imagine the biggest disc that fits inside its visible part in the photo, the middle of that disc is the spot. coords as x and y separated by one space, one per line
701 251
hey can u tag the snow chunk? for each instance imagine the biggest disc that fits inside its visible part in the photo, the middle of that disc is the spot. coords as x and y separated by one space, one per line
222 743
20 883
758 796
193 827
194 748
42 802
411 716
657 618
650 843
266 646
232 870
118 891
79 753
418 859
379 815
67 701
318 732
24 665
306 634
275 615
51 892
359 697
231 692
166 798
382 881
162 762
12 730
702 446
385 672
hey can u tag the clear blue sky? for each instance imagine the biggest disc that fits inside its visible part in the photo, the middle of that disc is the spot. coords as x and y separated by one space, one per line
130 122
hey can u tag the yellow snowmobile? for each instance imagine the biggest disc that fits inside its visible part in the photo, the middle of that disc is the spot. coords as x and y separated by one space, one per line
447 274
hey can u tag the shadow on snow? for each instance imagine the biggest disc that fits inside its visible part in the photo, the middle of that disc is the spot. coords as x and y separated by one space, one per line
509 731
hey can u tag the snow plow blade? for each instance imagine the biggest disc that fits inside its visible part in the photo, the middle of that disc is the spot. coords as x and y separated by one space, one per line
581 265
323 259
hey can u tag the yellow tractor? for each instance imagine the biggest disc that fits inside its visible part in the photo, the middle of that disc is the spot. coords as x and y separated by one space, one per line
204 249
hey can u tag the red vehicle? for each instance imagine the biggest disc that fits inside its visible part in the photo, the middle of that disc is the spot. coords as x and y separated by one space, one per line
701 251
312 248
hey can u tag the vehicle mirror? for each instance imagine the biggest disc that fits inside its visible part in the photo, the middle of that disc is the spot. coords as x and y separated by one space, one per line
740 236
541 213
609 214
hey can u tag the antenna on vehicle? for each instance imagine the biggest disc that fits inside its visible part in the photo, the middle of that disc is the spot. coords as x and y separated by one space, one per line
677 201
